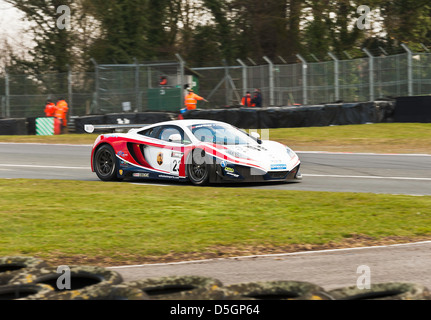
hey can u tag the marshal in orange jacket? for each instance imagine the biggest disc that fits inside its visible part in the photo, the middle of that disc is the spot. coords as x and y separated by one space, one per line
61 111
191 99
50 109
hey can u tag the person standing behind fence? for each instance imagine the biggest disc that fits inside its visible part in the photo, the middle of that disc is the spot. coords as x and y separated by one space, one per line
191 100
49 108
257 98
61 113
246 101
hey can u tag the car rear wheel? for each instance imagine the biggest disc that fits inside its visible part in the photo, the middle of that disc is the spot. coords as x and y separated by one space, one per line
105 163
198 168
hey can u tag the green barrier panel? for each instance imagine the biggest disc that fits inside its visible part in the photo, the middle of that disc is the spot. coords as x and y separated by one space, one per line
45 126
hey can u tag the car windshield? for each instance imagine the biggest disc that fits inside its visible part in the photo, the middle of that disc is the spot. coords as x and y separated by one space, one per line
220 134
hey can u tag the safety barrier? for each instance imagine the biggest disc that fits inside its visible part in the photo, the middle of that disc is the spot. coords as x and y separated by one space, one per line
247 118
300 116
27 278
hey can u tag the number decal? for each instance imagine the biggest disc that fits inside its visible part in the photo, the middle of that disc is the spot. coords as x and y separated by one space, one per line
175 166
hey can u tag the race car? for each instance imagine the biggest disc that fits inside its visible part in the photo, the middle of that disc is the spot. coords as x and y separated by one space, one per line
199 151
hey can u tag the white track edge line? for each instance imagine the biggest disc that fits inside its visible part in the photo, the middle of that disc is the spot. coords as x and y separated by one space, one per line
272 255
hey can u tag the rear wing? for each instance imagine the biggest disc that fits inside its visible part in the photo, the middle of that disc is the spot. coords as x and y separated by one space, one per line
90 128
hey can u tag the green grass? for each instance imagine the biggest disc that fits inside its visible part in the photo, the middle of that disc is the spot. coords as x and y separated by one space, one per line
379 137
116 223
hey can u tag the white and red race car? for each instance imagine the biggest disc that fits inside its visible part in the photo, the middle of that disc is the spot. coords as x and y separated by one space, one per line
199 151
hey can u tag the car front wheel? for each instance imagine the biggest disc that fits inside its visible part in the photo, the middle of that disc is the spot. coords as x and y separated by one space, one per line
198 168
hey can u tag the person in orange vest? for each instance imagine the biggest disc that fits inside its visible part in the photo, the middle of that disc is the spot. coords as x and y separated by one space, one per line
247 100
49 108
191 100
61 112
163 81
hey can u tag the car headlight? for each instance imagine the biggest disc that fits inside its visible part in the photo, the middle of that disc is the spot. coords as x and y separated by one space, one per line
290 152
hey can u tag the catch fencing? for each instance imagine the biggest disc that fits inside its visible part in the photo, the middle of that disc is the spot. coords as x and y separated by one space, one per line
135 87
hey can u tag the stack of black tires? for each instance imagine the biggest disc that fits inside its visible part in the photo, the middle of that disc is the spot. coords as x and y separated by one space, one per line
28 278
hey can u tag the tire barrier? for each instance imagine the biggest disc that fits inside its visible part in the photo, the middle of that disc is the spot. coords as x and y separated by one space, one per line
81 277
27 278
383 291
101 292
23 291
12 266
13 126
413 109
279 290
180 288
248 118
300 116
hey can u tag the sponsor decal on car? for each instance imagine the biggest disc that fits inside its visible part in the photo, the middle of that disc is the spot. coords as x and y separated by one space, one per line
122 154
229 169
176 154
160 158
278 166
121 172
141 175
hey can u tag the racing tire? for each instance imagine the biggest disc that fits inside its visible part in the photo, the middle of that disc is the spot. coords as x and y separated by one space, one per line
279 290
81 278
102 292
180 288
198 168
383 291
23 291
105 163
11 266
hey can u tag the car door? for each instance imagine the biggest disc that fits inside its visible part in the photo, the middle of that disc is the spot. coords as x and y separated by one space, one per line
166 155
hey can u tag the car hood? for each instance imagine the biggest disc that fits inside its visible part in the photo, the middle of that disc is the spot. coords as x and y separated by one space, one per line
269 156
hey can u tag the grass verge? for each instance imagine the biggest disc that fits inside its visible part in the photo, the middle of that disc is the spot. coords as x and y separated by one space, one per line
99 223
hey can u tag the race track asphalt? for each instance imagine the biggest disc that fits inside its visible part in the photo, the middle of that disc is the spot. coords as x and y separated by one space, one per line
375 173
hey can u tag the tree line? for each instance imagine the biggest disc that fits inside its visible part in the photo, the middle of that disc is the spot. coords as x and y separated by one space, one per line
207 32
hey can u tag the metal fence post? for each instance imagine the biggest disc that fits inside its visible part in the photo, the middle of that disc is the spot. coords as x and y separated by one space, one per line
271 80
371 72
304 79
336 77
96 85
182 64
69 90
409 69
137 93
7 95
244 76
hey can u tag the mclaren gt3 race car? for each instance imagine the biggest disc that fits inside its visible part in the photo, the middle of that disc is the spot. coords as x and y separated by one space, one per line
199 151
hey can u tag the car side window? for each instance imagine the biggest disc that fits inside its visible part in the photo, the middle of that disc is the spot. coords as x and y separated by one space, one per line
166 132
149 132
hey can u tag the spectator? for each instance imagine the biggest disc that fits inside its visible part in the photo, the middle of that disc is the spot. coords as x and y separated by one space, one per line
191 100
49 108
61 113
163 81
247 100
257 98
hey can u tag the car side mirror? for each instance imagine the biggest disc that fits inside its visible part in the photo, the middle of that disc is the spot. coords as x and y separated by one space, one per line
175 138
256 136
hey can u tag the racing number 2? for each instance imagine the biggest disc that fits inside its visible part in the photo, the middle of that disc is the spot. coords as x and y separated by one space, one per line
175 166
